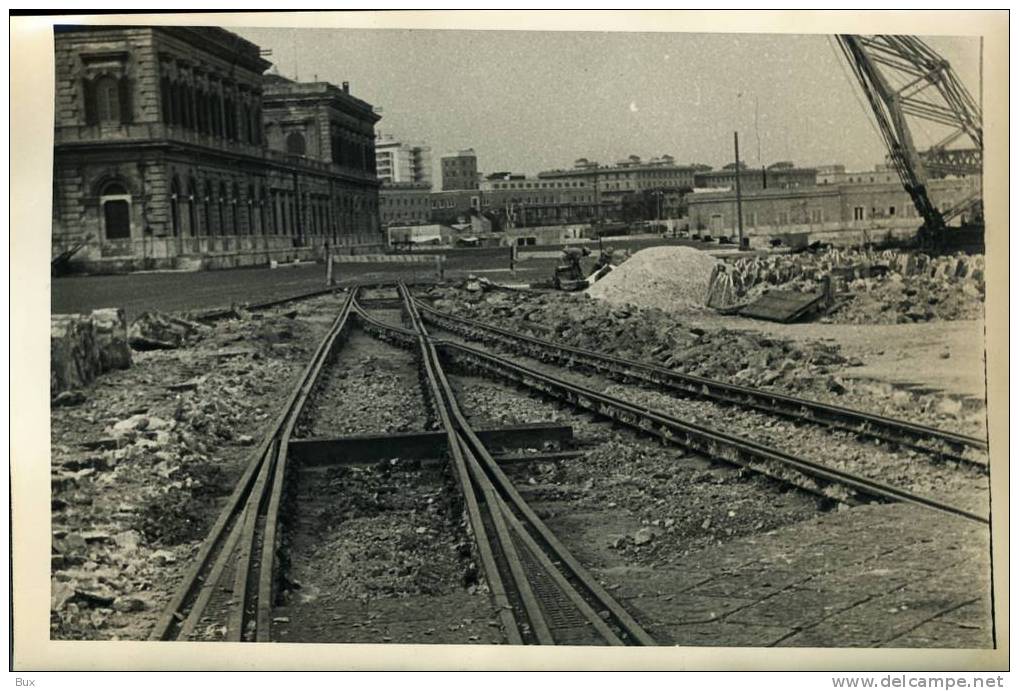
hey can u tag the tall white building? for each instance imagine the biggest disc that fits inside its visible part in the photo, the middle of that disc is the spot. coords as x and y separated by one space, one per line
398 161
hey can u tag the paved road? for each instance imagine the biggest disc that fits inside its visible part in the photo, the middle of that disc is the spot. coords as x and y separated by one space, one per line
179 291
183 291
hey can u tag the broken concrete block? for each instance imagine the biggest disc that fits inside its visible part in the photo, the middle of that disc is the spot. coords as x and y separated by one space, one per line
74 354
643 536
158 331
131 603
111 338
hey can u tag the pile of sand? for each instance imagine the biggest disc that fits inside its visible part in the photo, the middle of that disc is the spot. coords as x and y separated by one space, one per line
663 277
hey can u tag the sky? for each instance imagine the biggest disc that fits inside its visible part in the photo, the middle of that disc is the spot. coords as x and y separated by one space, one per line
527 101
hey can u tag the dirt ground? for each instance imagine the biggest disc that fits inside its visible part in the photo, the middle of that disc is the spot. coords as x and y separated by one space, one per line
945 356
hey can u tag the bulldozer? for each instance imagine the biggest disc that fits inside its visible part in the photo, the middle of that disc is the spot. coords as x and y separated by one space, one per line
569 274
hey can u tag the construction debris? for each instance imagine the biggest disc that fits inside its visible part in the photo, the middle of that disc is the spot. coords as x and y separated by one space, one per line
111 338
74 355
158 331
84 346
886 287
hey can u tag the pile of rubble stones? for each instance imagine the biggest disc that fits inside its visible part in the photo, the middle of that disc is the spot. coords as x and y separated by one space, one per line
888 287
651 335
811 369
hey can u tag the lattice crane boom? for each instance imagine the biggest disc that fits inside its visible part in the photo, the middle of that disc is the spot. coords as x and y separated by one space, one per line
928 90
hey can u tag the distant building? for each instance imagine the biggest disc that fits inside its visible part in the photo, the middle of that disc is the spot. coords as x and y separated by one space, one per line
460 171
405 203
402 162
831 209
172 149
632 189
524 201
783 176
830 174
455 206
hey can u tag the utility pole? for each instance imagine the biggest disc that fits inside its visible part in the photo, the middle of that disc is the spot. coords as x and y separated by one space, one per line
739 199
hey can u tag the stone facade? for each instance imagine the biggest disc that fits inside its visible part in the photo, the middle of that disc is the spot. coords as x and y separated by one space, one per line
167 153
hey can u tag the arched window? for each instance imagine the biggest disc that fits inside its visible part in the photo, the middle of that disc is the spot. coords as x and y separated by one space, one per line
263 200
235 209
166 96
252 216
207 208
107 90
296 144
245 123
275 213
192 209
116 205
220 201
175 207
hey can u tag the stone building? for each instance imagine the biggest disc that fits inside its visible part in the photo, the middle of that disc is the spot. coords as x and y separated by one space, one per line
852 211
633 188
460 171
525 201
171 149
773 177
405 203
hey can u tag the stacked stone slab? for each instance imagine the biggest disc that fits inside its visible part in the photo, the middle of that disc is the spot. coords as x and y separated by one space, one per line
746 277
84 346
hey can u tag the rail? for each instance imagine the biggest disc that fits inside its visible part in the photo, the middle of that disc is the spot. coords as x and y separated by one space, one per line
784 467
545 595
937 442
243 539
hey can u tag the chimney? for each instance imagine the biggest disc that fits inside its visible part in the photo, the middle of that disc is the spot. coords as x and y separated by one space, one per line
346 87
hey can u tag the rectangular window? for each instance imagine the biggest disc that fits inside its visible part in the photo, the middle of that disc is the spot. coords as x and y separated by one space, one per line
857 213
891 210
816 216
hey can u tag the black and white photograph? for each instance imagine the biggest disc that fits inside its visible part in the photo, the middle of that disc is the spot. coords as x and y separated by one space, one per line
362 334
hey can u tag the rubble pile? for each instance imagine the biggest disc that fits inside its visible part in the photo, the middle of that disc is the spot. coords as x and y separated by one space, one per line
663 277
885 287
655 336
385 530
812 369
155 450
82 347
159 331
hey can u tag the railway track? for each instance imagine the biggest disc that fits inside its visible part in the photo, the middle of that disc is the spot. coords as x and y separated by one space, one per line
938 443
544 595
233 576
810 475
